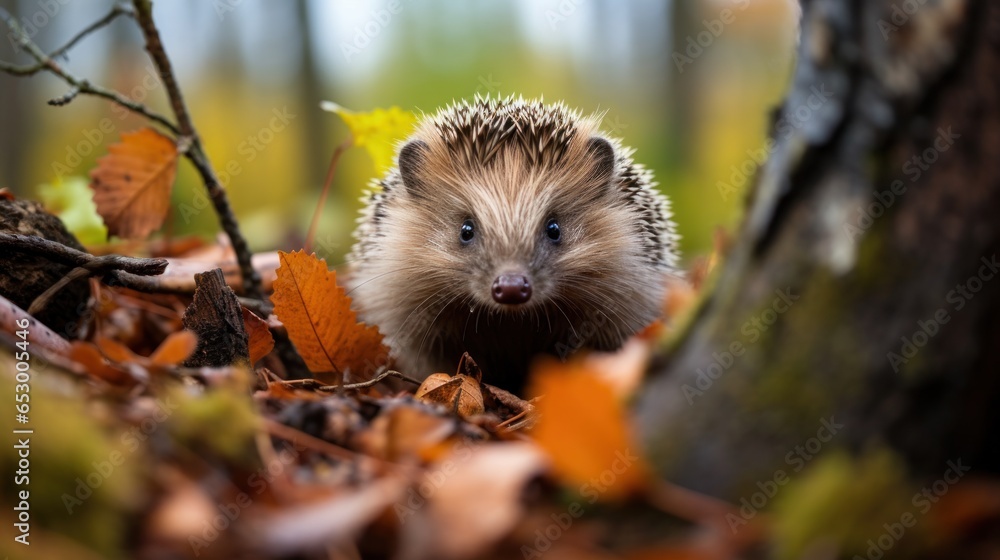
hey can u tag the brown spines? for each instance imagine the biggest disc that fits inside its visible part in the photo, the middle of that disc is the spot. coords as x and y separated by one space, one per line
476 132
510 166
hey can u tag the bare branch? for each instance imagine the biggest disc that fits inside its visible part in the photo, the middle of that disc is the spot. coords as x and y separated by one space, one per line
118 10
118 269
65 98
196 153
58 252
46 63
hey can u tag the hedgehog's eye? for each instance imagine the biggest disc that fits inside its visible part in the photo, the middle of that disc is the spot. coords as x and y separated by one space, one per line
467 232
552 230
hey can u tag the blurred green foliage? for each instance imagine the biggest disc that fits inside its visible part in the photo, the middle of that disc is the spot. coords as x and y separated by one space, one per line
254 75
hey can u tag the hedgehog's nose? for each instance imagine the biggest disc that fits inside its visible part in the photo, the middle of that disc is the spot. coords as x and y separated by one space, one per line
511 288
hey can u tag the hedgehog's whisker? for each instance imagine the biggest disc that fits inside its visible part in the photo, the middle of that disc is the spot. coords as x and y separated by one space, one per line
430 326
401 269
419 305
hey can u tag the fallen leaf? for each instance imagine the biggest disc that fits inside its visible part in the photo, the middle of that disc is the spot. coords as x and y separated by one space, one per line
377 131
115 351
317 314
460 393
405 432
969 505
623 370
88 356
132 183
475 497
583 427
184 511
330 519
261 339
174 349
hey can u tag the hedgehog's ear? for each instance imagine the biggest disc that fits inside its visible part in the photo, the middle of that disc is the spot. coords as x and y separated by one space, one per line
603 155
412 158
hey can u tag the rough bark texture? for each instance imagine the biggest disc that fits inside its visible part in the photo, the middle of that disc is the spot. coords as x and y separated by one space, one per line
216 317
870 94
24 276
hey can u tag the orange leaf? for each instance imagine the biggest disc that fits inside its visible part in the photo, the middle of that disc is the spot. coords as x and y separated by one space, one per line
175 349
317 314
132 183
261 340
115 351
87 355
583 428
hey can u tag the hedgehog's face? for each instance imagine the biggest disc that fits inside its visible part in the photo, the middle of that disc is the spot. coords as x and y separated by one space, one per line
514 238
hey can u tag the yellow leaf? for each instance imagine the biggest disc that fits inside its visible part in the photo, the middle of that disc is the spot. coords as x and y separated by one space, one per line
317 314
377 131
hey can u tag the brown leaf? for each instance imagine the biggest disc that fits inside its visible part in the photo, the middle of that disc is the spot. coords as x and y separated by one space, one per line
6 194
477 498
132 183
88 356
261 339
460 393
317 314
404 432
174 349
332 518
115 351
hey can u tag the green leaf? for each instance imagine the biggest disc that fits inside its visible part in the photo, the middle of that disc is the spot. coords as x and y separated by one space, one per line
71 200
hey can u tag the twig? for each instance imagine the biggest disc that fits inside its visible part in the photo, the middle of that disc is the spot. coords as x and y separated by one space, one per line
304 440
184 129
45 62
326 190
118 10
55 251
65 98
315 385
43 299
58 252
11 316
196 153
85 264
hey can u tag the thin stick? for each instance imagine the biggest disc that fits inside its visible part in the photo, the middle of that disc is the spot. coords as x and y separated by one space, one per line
116 268
316 385
55 251
118 10
45 62
326 190
196 153
12 316
43 299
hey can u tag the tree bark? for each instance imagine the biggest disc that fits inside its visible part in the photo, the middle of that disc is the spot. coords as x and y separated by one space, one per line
847 293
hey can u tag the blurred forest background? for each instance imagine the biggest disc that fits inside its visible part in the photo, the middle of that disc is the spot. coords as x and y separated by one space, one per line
697 122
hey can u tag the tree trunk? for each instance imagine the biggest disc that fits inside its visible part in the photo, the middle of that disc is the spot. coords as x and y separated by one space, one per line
863 287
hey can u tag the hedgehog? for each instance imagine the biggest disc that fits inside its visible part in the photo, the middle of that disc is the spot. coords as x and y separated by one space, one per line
510 229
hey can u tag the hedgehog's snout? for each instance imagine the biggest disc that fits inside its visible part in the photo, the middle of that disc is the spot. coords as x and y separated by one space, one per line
511 288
